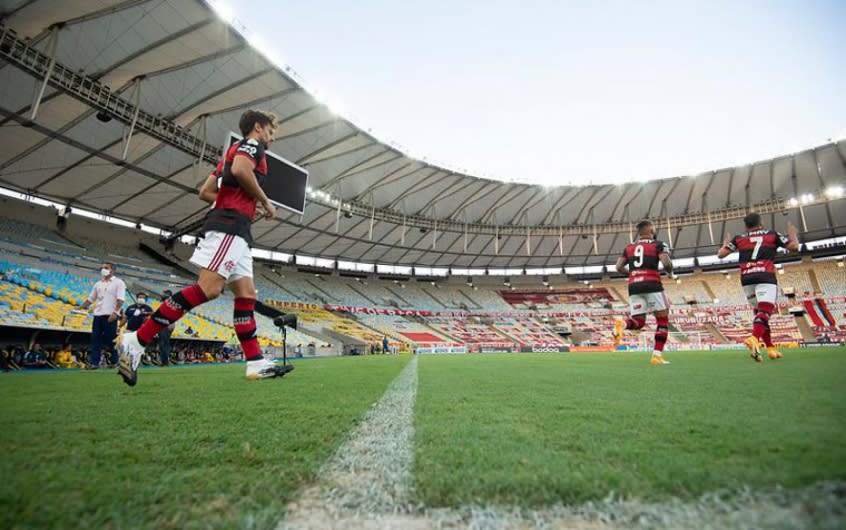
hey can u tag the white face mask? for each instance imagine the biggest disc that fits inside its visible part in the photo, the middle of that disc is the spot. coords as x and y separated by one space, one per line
142 300
105 272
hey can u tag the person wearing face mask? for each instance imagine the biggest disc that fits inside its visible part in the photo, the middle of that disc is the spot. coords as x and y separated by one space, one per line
107 297
137 313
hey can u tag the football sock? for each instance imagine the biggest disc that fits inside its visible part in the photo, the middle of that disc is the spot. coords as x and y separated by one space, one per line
170 311
636 322
768 338
245 328
661 332
762 319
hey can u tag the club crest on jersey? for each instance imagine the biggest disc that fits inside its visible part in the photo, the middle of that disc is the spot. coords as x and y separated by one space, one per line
248 149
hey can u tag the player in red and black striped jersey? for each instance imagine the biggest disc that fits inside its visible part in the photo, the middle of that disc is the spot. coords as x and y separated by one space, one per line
640 260
223 255
757 248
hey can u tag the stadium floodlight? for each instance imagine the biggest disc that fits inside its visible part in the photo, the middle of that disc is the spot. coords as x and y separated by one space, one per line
223 10
806 198
793 201
834 192
333 106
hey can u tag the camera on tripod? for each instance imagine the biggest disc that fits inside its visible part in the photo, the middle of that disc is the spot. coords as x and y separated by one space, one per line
286 319
283 321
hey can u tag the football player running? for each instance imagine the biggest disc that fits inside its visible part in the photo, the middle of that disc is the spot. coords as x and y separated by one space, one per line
640 261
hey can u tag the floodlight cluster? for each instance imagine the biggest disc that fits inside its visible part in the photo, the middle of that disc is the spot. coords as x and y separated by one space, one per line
831 193
324 197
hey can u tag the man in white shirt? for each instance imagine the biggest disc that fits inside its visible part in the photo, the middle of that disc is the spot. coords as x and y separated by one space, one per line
107 296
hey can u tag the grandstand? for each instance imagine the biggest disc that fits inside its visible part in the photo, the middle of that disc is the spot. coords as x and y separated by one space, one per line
44 279
118 109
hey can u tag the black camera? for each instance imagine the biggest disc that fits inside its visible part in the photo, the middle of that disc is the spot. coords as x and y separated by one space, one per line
286 319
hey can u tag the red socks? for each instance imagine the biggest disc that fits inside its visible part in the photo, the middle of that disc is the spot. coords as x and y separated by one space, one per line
170 311
245 328
761 323
636 322
661 332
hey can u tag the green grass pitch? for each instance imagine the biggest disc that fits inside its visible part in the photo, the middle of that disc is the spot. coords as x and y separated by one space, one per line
201 447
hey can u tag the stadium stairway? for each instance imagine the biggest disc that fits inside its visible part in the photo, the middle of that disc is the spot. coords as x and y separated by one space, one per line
815 283
433 297
709 290
399 297
578 337
164 260
324 294
715 331
617 293
361 293
472 303
279 285
805 328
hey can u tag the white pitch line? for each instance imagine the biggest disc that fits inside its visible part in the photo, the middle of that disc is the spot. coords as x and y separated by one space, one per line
368 484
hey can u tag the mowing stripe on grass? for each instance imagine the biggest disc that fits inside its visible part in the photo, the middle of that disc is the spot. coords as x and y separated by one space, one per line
367 483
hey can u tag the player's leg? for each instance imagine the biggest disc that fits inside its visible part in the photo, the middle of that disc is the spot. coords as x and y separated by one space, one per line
213 255
242 286
660 307
754 343
766 294
636 320
761 322
767 336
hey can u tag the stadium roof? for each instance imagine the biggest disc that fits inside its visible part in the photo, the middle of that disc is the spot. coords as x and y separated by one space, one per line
177 76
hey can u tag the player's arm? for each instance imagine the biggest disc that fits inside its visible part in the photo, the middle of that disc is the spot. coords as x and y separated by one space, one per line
621 265
242 169
793 238
667 262
728 247
208 191
664 257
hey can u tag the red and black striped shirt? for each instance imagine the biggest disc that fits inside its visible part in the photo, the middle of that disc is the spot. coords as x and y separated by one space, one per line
234 209
757 254
642 259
